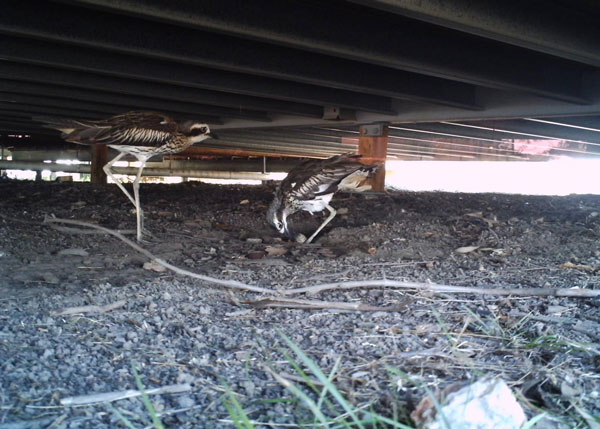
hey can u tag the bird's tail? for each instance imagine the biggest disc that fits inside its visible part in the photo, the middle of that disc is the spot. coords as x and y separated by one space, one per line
357 181
71 129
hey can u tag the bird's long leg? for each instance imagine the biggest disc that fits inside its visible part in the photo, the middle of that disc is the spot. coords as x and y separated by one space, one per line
136 193
332 213
108 170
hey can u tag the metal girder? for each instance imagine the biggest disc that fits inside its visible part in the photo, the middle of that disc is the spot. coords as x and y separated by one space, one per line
283 149
496 131
132 171
266 91
99 108
583 122
8 127
23 126
394 41
283 135
160 78
414 133
144 38
31 110
543 26
298 142
539 130
243 149
119 99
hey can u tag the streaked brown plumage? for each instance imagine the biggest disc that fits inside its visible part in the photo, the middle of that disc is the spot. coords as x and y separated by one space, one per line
310 187
141 134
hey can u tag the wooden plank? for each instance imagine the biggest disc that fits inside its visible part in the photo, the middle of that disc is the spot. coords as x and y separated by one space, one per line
99 160
374 151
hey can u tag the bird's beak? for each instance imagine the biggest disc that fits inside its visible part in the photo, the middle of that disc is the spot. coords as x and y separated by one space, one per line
213 136
289 234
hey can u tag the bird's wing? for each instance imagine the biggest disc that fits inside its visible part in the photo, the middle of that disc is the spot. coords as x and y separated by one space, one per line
133 128
319 177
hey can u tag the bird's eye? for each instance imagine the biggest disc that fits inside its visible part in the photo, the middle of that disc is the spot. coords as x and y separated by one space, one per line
198 131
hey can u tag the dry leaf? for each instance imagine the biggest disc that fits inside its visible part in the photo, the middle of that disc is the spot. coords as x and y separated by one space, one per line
245 202
466 249
154 266
570 265
275 251
255 255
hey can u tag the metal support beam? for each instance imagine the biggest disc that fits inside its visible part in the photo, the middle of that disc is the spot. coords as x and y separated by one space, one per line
37 110
521 129
135 102
373 146
246 90
278 92
87 99
549 27
144 38
398 43
132 171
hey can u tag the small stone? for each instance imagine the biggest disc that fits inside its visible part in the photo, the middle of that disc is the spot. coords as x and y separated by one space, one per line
249 387
254 240
73 252
186 401
50 278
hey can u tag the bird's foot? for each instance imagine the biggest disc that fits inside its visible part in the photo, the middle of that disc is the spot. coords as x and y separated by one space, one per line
146 237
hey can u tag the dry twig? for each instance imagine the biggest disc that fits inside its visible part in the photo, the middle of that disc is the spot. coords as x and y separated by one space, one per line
439 288
273 302
123 394
90 308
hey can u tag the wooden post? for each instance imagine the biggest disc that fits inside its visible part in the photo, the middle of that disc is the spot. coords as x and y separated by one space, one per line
372 145
99 160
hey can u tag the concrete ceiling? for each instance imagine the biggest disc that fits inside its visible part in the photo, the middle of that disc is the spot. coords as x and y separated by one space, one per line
456 79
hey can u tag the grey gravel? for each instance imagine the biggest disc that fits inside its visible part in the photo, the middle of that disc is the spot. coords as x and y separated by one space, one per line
181 330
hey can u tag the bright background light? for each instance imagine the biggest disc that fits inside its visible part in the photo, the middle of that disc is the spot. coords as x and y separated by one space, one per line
559 177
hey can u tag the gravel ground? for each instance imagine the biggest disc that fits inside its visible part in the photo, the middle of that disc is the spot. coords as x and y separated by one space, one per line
179 330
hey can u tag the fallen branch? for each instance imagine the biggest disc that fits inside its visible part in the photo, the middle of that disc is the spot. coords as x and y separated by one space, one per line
274 302
362 284
90 309
439 288
124 394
